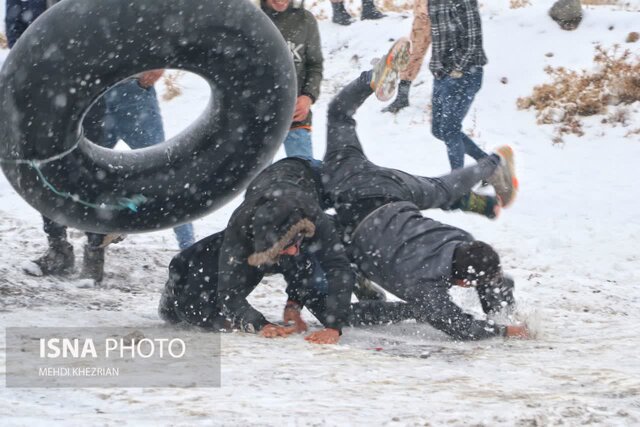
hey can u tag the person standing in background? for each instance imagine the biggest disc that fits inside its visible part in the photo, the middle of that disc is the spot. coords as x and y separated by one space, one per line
457 58
420 42
299 28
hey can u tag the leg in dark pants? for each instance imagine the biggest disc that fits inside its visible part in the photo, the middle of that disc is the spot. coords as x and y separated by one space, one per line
452 98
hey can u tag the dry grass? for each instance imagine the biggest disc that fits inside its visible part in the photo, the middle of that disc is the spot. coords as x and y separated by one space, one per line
3 41
517 4
599 2
171 85
573 95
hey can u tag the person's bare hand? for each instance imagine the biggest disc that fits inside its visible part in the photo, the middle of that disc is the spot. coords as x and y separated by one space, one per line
325 336
292 315
149 78
303 106
274 331
518 331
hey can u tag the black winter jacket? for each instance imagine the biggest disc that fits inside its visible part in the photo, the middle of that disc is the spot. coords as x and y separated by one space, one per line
282 196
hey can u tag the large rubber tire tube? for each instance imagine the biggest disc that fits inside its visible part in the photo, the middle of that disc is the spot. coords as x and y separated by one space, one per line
78 49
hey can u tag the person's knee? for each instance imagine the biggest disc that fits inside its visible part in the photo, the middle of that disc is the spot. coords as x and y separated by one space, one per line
475 261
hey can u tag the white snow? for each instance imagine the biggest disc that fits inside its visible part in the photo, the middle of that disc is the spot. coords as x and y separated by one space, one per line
571 241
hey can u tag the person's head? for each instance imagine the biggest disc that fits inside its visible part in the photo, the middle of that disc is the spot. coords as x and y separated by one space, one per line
279 227
277 5
475 263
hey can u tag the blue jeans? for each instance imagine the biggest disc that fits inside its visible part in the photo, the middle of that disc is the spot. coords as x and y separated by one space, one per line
298 144
451 101
133 115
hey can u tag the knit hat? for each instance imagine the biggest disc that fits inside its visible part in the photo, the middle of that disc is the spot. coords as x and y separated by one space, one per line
276 224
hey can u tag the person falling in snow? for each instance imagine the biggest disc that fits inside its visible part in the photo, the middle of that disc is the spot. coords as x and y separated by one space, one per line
414 257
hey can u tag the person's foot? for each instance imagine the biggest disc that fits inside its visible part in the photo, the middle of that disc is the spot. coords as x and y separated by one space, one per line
402 99
93 263
488 206
340 14
59 259
387 69
504 179
109 239
370 11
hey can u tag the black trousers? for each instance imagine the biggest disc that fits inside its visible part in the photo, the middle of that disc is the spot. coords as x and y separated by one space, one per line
94 130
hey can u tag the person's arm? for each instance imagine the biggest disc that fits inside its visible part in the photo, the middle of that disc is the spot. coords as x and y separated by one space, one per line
236 280
13 21
313 62
339 274
149 78
437 308
472 34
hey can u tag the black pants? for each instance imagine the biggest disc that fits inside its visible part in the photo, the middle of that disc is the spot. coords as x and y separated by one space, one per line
354 180
94 129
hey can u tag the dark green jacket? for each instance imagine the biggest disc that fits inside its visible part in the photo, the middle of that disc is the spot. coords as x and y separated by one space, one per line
300 30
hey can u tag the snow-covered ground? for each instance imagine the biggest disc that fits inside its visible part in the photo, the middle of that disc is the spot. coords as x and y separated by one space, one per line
570 241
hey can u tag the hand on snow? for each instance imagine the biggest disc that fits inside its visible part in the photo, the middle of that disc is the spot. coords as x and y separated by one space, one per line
325 336
273 331
149 78
518 331
292 315
303 106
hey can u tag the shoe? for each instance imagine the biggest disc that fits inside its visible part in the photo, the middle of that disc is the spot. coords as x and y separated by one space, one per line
93 263
402 99
59 258
109 239
488 206
167 306
504 179
365 290
340 14
370 11
387 69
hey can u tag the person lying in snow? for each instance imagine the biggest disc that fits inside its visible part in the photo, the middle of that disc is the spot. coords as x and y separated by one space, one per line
415 258
279 228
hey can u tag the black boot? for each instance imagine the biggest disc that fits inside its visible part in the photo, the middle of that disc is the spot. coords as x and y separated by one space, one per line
59 258
340 14
93 263
402 99
370 11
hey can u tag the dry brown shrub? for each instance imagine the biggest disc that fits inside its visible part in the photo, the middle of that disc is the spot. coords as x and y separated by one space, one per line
632 37
599 2
572 94
3 41
517 4
171 85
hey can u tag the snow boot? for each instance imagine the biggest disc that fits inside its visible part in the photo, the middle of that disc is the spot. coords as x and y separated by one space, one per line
59 258
387 69
504 179
370 11
340 14
93 263
402 99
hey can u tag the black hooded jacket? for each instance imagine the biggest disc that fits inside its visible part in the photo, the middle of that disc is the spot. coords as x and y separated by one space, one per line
283 202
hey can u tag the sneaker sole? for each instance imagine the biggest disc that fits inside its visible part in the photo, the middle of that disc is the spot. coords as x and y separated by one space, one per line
395 60
507 198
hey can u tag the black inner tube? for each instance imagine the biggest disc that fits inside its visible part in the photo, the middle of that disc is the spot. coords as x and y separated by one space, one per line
75 51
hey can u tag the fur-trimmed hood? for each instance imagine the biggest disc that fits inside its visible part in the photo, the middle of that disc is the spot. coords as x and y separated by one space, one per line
303 227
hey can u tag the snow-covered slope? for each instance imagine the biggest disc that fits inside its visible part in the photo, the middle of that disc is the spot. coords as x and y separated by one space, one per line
570 241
